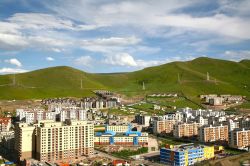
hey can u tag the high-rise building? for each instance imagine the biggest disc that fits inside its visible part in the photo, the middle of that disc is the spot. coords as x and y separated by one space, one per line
213 133
54 141
163 126
24 141
57 141
239 138
186 130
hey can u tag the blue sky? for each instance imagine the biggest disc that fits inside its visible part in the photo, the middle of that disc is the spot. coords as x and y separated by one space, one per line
120 35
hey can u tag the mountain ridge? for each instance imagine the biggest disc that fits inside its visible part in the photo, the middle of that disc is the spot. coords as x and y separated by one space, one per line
189 78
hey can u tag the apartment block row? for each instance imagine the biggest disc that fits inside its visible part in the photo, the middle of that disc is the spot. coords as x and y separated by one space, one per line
237 138
54 141
34 115
84 103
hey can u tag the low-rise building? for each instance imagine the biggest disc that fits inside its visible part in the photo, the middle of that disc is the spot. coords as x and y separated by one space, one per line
239 138
213 133
186 154
216 101
127 138
117 128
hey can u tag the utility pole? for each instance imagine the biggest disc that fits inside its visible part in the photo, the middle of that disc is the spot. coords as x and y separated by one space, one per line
179 80
14 79
143 86
81 83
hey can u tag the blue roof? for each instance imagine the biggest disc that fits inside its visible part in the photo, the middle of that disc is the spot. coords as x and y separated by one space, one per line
9 162
138 133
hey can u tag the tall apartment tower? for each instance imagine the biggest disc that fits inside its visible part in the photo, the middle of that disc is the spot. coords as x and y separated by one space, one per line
24 141
213 133
56 141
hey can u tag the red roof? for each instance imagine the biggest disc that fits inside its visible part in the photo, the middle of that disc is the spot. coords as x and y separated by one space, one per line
5 120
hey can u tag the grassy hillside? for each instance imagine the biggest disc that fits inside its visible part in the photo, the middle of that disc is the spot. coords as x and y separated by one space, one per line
225 77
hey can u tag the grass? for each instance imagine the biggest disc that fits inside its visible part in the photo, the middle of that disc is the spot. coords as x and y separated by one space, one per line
127 153
179 102
233 151
170 141
231 78
245 105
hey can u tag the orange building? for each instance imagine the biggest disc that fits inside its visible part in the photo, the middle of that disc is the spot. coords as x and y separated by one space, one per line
213 133
239 138
5 124
163 126
186 130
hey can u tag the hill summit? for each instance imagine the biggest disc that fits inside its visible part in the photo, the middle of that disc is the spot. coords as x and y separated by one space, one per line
189 78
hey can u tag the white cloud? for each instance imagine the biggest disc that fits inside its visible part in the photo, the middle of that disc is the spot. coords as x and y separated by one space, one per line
14 61
125 59
11 70
109 44
50 59
12 42
237 55
84 61
121 59
40 21
148 15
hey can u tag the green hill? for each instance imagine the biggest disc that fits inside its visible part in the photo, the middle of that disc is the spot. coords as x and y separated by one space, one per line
224 77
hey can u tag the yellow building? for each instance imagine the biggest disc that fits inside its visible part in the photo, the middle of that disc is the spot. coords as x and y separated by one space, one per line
208 152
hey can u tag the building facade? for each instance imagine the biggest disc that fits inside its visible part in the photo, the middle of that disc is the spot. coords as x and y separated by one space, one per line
58 142
239 138
122 137
117 128
143 120
54 141
5 124
213 133
186 154
24 141
163 126
186 130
